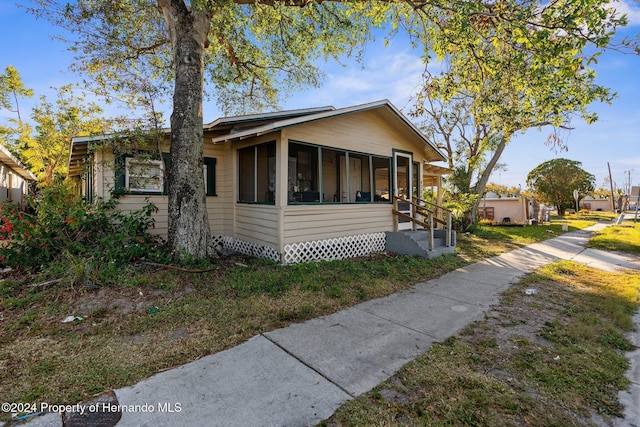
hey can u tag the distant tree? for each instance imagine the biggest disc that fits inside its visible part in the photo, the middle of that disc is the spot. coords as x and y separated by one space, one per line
554 181
46 148
502 190
11 90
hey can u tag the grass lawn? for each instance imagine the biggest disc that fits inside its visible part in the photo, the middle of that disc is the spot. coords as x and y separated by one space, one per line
624 237
150 319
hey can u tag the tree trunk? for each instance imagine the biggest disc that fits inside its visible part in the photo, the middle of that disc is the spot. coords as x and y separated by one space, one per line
484 177
188 232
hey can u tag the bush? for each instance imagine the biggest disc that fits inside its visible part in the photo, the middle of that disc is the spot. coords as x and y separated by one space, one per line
63 224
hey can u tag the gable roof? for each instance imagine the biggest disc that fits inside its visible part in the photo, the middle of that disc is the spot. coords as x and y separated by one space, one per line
385 107
10 160
254 120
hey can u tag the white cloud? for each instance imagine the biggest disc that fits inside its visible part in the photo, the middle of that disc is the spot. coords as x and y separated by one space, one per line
630 9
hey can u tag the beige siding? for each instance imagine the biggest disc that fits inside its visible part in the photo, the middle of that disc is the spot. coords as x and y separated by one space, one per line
220 217
364 132
514 209
12 186
257 224
317 222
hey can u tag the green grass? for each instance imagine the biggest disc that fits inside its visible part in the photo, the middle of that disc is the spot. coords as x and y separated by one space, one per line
119 343
491 240
624 238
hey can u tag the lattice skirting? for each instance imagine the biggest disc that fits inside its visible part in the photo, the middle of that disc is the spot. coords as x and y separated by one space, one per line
336 248
246 248
317 250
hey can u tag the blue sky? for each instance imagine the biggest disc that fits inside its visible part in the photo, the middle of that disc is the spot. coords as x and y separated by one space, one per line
387 73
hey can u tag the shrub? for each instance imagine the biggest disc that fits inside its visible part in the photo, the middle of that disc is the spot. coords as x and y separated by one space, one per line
59 222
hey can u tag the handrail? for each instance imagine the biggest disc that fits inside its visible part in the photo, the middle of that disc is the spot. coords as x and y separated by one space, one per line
430 203
416 208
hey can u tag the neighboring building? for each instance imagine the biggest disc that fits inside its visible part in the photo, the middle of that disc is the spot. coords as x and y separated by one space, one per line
591 204
512 210
515 210
291 186
14 178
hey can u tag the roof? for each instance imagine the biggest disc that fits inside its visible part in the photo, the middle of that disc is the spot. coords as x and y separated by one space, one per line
384 106
255 119
8 159
242 127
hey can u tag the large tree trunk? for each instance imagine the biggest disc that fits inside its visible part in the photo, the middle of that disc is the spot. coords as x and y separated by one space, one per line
188 232
484 177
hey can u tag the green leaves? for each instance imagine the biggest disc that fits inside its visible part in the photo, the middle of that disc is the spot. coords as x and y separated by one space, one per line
553 182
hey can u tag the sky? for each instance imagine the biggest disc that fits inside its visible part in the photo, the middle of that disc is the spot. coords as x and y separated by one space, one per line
393 73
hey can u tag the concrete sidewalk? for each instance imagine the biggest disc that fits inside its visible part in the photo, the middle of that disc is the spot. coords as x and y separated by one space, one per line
301 374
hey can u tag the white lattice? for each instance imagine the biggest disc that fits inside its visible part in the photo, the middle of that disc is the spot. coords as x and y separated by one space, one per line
336 248
317 250
246 248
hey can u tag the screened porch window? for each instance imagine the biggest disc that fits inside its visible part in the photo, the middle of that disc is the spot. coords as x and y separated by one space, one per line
328 175
303 173
381 179
257 173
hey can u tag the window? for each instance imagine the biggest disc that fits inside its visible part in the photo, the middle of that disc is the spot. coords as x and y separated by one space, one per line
142 175
327 175
257 173
381 179
303 173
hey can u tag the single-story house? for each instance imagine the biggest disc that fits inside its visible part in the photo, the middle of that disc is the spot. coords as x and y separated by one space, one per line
292 186
510 210
592 204
14 178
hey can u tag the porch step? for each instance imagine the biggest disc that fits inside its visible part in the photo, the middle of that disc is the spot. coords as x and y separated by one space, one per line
417 243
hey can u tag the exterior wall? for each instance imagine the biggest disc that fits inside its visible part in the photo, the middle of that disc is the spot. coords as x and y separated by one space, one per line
218 212
318 222
364 132
596 204
506 208
12 185
257 224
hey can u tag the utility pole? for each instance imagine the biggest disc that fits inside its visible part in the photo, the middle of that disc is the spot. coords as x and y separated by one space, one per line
613 203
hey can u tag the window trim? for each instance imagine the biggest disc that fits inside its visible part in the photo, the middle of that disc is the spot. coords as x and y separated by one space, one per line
152 163
121 171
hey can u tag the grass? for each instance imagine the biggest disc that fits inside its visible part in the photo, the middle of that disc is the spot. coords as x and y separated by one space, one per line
625 238
123 338
491 240
153 320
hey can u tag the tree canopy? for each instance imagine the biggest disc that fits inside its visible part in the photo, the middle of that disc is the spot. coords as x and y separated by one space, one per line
554 181
512 66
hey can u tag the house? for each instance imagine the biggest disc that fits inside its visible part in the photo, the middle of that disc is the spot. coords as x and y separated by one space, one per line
592 204
510 210
292 186
14 178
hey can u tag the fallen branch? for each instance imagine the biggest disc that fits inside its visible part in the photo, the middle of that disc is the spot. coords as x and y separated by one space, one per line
184 270
46 284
